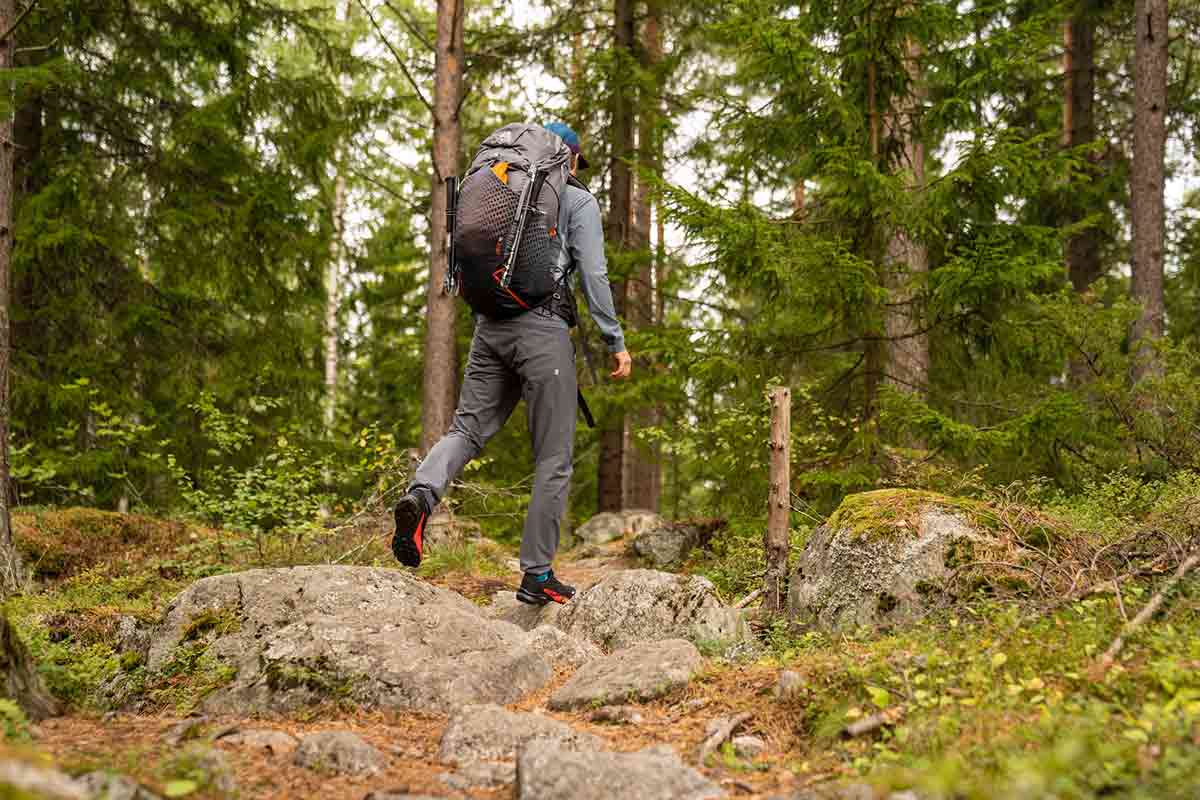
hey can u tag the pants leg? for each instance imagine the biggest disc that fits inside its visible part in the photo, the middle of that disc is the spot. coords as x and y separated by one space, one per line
490 392
546 364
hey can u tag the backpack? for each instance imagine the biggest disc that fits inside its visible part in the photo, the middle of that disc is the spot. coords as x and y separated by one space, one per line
504 242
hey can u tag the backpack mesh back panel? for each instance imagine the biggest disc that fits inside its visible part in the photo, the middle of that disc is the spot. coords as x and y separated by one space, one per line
487 208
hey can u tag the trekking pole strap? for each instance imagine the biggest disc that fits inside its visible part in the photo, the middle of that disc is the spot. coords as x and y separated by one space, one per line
587 412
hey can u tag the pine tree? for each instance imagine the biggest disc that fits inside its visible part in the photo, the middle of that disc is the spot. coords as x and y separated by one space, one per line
1148 180
439 392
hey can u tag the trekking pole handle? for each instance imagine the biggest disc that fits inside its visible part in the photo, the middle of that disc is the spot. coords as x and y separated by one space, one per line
536 178
450 283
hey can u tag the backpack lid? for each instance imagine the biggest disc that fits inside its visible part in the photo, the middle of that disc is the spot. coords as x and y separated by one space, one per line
523 146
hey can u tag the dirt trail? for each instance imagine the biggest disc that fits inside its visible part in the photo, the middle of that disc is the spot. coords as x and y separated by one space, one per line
136 745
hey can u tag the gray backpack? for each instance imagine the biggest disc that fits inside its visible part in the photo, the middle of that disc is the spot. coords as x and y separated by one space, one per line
505 246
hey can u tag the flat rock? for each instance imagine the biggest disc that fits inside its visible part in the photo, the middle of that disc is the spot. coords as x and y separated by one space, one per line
617 715
339 753
561 649
642 605
380 637
274 741
547 771
608 526
491 733
39 782
481 775
881 559
748 746
109 786
506 607
641 672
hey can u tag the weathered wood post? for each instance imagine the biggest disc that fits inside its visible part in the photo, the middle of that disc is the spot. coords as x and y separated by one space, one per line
775 541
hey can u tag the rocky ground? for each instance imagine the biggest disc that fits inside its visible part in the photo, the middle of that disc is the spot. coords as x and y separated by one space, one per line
366 681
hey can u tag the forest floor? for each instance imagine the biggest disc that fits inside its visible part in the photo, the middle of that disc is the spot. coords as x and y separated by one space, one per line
994 695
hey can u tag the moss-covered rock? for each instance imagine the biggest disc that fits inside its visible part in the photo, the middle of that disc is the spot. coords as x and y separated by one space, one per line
885 557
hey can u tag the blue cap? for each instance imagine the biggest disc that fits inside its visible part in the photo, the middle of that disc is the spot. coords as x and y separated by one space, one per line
570 139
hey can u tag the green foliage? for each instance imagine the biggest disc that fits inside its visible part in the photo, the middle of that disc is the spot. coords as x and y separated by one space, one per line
280 489
14 725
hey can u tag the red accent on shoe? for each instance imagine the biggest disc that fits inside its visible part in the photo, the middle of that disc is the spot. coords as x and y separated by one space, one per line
417 534
555 596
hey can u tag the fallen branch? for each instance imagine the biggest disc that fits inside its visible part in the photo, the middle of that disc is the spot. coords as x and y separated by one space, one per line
873 723
1149 610
748 599
718 737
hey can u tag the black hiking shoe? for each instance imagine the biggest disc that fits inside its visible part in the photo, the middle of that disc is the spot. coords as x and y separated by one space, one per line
410 525
537 590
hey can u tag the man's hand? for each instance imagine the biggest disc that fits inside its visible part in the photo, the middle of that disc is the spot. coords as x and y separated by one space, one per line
624 365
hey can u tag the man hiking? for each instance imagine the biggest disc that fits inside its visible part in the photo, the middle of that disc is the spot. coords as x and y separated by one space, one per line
525 226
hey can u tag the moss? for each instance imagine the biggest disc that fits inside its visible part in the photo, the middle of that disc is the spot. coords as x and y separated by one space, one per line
221 621
61 543
892 511
319 679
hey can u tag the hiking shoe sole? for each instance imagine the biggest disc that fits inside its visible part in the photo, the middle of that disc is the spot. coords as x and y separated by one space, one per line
410 525
531 598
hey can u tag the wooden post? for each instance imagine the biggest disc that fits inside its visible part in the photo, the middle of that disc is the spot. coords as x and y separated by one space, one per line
775 541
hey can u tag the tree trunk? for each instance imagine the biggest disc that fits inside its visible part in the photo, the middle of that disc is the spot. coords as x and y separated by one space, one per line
906 262
1149 151
332 298
10 562
21 681
779 503
1079 128
611 476
439 388
643 468
333 270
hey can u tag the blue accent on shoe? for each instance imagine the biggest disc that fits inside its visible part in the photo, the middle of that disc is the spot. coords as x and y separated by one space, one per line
545 576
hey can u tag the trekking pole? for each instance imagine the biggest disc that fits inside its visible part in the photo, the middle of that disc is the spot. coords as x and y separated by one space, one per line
528 198
450 282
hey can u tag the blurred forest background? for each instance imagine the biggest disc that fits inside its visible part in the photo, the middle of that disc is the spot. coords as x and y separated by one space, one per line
967 235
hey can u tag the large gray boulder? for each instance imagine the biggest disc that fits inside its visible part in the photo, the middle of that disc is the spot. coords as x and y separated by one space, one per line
608 526
377 636
101 785
642 605
882 558
490 733
339 753
670 543
21 779
547 771
641 672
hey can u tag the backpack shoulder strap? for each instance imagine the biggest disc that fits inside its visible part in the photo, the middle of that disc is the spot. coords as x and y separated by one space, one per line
578 184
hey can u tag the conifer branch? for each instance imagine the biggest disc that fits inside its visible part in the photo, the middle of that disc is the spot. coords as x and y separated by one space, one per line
399 61
20 18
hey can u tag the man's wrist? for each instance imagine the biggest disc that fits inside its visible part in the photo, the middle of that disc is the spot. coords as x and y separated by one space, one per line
617 346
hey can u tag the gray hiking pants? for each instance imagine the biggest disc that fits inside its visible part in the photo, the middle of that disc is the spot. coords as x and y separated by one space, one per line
530 357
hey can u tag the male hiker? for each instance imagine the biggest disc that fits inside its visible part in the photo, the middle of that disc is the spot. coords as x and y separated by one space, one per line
525 225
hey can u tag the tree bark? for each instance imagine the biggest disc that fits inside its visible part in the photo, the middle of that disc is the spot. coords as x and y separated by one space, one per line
332 298
439 389
10 562
1148 179
333 270
906 261
643 468
779 503
1079 128
611 476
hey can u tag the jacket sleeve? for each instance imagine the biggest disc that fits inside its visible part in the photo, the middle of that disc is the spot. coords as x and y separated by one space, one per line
585 237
